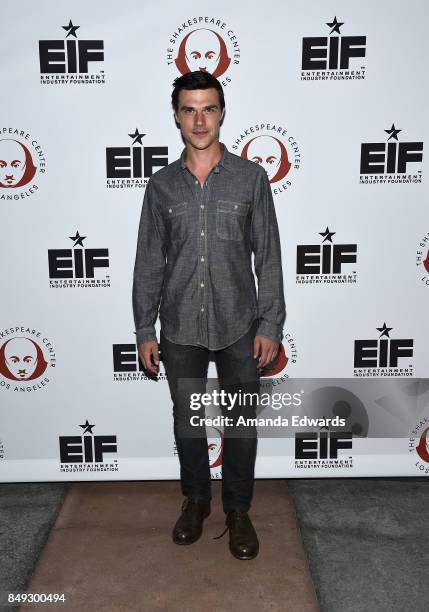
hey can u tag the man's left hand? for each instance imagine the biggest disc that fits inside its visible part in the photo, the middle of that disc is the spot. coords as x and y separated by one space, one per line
265 349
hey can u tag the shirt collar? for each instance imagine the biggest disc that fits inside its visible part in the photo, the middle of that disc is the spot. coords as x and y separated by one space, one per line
224 160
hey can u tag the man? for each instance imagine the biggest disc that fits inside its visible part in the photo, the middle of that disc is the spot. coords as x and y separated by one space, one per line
202 217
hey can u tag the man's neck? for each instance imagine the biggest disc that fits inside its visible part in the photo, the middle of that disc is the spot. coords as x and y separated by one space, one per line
203 161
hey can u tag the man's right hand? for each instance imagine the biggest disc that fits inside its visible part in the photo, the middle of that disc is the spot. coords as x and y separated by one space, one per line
148 352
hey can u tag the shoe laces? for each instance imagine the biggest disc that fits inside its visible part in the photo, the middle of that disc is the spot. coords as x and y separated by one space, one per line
240 515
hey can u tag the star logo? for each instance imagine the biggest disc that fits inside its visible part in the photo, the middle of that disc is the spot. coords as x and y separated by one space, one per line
137 137
87 427
335 26
393 132
327 235
70 29
384 331
78 240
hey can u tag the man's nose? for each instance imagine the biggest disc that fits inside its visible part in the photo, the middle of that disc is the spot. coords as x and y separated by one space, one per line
199 117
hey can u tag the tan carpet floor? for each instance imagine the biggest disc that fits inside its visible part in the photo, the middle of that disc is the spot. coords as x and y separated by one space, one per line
110 550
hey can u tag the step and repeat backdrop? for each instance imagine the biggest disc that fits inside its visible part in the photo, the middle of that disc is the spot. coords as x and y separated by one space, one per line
331 98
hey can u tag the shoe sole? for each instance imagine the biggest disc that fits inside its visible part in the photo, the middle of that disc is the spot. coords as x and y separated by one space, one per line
244 558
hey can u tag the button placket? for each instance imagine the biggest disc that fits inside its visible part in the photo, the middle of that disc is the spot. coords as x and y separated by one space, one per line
203 245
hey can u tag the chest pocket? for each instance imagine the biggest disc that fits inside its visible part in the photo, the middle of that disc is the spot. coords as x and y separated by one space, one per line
176 217
231 219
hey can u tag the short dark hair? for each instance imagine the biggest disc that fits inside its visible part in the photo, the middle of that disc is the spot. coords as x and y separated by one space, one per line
199 79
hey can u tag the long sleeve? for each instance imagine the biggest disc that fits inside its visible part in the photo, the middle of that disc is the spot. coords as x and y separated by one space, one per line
268 268
149 268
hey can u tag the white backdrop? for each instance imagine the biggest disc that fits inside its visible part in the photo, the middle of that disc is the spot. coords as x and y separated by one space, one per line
66 134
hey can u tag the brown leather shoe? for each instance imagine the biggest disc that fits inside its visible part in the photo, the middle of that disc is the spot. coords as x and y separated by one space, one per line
189 525
243 541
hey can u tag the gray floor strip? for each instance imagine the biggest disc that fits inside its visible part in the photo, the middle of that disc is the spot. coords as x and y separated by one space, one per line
366 541
27 513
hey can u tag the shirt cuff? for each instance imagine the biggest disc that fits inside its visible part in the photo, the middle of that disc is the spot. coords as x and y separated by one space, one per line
146 334
270 330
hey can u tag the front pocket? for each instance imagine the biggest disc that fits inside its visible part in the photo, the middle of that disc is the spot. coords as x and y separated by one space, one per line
231 219
176 217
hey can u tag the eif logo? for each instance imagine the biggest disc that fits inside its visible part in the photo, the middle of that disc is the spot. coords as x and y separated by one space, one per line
77 266
87 450
325 263
132 166
71 60
388 162
383 355
330 57
321 449
127 365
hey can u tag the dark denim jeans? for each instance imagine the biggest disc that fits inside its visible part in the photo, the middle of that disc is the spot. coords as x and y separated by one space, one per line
236 369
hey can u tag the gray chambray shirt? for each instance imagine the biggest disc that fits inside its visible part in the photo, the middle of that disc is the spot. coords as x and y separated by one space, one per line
194 256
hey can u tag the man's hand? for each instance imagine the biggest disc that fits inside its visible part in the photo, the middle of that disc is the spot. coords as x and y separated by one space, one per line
149 356
265 349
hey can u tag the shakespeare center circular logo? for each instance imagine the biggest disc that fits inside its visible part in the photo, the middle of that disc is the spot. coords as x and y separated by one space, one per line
22 160
418 445
271 146
26 359
204 43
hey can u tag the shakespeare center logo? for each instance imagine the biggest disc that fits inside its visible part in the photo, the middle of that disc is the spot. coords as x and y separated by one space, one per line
326 263
333 57
86 452
71 61
22 160
323 449
282 367
27 357
133 165
418 445
77 266
389 162
204 43
127 366
383 356
215 446
271 146
422 259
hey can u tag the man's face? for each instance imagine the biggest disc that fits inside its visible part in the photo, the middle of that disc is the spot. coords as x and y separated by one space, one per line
265 151
199 116
21 357
12 163
202 51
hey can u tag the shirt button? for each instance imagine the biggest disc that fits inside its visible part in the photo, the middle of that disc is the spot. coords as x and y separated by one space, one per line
202 258
170 210
202 232
202 285
235 206
196 182
202 308
202 206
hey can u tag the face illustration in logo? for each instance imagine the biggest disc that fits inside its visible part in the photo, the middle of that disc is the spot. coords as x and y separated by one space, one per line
205 50
16 164
215 446
426 262
270 153
21 359
423 446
